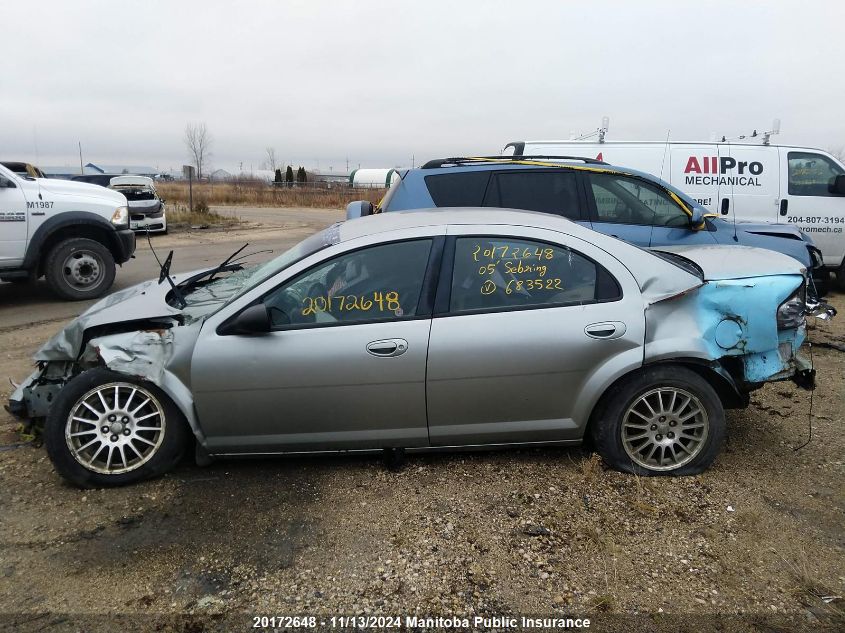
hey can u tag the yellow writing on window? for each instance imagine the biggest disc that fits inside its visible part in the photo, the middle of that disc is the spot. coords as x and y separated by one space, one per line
379 301
516 285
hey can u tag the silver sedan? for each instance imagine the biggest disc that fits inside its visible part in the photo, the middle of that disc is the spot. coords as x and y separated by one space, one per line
423 330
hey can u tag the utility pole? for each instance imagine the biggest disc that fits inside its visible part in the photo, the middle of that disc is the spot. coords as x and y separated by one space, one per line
81 168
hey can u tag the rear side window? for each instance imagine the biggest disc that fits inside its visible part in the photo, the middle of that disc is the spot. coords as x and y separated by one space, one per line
458 189
547 191
811 174
505 273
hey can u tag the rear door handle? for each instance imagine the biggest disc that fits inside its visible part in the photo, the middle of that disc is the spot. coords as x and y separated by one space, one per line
388 347
605 330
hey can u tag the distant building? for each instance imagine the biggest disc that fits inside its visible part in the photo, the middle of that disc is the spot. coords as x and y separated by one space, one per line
65 172
220 174
323 175
133 170
372 178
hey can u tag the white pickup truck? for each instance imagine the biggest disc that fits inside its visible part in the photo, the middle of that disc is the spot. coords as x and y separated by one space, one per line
72 233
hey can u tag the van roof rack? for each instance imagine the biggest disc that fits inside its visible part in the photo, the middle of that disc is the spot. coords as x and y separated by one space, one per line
439 162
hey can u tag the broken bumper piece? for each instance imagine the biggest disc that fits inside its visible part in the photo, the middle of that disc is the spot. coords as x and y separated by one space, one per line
820 310
804 375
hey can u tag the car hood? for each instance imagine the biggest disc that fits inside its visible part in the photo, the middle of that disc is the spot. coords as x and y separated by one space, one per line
74 188
736 262
144 302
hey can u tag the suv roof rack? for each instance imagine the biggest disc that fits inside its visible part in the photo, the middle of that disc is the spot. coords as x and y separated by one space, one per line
439 162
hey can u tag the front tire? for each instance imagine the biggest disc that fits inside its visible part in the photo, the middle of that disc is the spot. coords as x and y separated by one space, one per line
79 268
106 429
665 420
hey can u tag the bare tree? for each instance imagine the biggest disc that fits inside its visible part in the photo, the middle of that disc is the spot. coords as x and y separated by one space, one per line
198 141
271 157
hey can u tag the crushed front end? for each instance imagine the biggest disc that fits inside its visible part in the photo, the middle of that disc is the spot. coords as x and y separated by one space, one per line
753 328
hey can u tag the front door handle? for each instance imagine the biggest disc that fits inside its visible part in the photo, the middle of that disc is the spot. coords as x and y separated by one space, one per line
784 205
605 330
388 347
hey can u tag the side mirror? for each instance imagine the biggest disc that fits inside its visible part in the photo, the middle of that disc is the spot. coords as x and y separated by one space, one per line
358 209
838 185
254 320
697 219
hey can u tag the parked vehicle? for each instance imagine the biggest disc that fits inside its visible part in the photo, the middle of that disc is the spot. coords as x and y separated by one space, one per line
103 180
146 208
774 184
621 202
23 169
424 330
69 232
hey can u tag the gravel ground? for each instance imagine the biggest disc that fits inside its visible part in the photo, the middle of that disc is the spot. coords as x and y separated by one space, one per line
546 531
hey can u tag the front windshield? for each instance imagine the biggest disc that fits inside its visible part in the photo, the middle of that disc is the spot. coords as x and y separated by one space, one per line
306 247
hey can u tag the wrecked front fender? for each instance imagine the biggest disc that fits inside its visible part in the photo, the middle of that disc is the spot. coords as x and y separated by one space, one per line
733 321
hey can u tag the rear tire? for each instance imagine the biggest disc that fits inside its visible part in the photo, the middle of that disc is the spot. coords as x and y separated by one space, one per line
106 429
665 420
79 268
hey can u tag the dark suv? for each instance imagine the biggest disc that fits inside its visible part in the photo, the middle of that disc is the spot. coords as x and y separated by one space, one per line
628 204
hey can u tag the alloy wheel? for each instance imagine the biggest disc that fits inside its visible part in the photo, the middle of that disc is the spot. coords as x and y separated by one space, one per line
115 428
664 428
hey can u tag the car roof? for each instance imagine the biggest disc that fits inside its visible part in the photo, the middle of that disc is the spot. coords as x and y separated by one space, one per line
657 278
490 163
398 220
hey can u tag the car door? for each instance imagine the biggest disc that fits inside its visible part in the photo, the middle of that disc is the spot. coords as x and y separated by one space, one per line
640 212
749 174
806 200
526 322
343 366
13 221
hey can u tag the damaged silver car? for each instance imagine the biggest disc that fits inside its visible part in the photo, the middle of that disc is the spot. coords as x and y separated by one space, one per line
424 330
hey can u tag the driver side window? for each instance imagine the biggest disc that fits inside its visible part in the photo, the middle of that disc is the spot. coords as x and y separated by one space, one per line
375 283
624 200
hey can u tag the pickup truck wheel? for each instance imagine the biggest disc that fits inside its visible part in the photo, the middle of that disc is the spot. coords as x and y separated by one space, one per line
108 429
79 268
662 421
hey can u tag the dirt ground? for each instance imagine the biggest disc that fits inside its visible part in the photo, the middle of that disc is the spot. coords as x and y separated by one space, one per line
756 543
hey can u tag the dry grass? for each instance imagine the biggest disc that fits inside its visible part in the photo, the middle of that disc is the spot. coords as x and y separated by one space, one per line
256 194
178 214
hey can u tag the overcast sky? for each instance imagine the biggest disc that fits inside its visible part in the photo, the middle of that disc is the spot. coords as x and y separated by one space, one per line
378 82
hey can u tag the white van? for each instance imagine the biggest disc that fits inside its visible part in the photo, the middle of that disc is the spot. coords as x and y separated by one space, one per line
777 184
